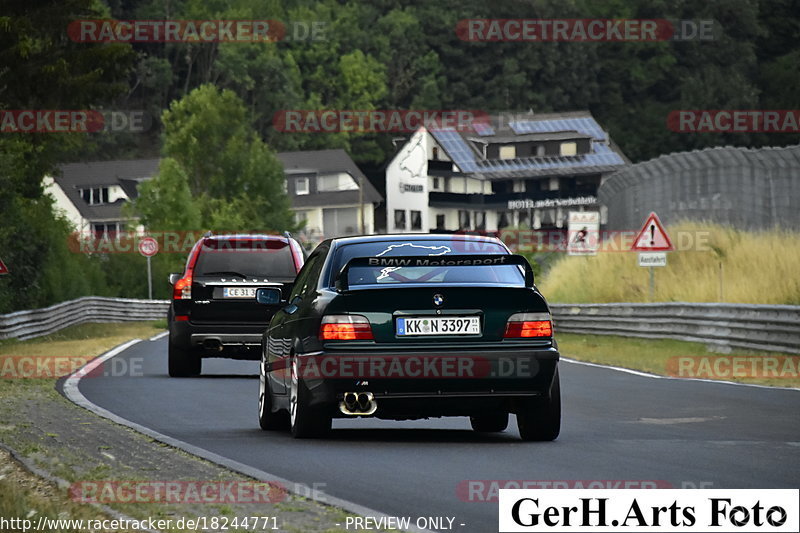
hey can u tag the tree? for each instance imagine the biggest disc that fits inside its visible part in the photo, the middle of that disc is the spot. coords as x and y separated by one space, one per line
218 174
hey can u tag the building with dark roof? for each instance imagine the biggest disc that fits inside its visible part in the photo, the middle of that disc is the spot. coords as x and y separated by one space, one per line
326 188
329 193
741 187
526 171
91 195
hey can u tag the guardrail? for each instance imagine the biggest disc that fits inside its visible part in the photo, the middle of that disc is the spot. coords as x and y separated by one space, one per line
722 327
37 322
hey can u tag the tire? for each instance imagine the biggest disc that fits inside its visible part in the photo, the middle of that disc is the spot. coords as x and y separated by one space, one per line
305 421
267 419
539 419
489 423
182 363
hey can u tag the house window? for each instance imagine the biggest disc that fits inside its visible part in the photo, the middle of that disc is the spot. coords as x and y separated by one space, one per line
437 184
440 222
508 152
95 196
463 220
301 217
301 186
502 220
540 150
399 219
480 220
569 148
416 219
105 230
435 153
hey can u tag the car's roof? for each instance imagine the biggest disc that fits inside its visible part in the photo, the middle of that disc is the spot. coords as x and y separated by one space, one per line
412 237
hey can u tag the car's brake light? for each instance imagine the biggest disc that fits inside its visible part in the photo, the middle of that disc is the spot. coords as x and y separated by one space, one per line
521 325
345 328
182 290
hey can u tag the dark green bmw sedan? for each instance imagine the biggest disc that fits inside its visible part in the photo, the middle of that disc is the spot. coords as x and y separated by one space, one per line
405 327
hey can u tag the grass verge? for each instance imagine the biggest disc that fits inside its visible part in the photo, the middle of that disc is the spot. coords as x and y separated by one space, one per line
682 359
711 263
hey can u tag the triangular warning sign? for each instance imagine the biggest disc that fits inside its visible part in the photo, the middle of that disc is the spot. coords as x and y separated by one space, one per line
652 237
3 268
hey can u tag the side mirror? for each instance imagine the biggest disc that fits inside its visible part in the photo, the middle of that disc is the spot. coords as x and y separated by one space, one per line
268 296
174 277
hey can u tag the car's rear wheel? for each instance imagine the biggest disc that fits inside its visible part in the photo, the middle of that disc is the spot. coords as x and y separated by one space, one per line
182 362
539 419
305 421
489 422
267 419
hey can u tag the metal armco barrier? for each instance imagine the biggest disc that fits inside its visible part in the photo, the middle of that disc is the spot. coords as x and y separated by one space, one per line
37 322
723 327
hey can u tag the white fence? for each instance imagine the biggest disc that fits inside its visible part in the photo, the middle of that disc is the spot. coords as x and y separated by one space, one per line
37 322
721 326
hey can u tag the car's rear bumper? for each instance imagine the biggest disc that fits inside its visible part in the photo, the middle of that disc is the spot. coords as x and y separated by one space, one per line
219 340
419 383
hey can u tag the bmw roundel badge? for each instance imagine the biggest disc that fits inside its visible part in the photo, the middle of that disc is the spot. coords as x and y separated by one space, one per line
438 300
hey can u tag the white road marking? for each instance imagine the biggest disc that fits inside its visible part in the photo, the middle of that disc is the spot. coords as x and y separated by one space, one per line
159 336
656 376
73 393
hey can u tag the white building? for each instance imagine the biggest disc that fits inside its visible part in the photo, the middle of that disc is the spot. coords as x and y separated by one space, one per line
91 195
329 192
528 172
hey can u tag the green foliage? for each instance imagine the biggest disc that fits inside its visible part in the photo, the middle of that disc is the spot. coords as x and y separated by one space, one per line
218 174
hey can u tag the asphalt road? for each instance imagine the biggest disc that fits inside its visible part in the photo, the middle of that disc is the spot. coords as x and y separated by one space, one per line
616 426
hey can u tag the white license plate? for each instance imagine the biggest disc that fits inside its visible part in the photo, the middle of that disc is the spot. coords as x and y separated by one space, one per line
239 292
452 325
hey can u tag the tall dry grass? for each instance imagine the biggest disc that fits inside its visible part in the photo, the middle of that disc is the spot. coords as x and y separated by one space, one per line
756 267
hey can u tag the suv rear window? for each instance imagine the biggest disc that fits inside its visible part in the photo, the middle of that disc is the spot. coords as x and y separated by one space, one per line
245 257
507 274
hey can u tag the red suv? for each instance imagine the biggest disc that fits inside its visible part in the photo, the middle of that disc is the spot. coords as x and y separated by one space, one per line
214 312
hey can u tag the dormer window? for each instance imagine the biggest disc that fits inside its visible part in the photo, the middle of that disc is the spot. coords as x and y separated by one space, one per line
508 151
95 196
569 148
301 186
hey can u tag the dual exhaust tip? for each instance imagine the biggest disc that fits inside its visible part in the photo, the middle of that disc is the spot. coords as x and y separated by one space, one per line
358 403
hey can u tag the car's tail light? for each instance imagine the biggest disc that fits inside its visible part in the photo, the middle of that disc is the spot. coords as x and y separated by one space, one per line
182 290
345 328
523 325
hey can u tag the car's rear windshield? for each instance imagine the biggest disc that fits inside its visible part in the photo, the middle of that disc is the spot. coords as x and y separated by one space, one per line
364 275
262 258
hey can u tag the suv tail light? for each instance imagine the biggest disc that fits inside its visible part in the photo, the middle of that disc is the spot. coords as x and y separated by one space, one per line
345 328
525 325
182 290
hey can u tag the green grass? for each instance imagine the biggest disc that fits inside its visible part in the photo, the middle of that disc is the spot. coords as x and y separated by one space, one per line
756 267
663 356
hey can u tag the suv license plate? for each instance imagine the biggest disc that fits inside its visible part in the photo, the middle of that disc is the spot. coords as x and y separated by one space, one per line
455 325
239 292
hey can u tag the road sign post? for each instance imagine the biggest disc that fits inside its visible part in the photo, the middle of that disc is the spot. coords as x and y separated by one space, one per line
652 243
148 247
